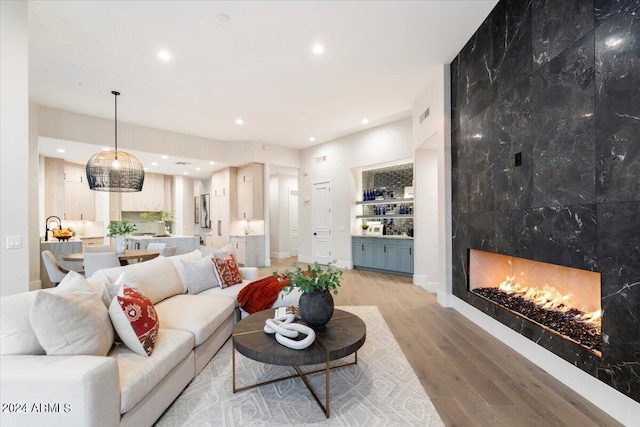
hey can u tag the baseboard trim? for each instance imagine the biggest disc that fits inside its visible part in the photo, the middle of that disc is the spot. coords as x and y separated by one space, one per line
35 285
617 405
423 281
444 299
339 263
280 255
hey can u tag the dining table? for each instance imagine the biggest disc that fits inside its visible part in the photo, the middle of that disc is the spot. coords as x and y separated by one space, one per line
130 254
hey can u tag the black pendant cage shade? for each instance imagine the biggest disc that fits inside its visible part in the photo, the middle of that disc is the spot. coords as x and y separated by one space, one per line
103 176
115 171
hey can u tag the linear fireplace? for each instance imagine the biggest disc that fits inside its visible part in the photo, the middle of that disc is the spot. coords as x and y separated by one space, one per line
562 300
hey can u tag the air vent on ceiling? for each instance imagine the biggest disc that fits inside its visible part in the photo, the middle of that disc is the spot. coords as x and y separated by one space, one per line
321 159
424 115
182 163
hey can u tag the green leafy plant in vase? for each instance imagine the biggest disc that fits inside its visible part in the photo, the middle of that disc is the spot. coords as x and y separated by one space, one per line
119 230
316 284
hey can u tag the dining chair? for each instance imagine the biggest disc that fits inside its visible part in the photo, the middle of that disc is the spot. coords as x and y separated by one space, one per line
94 261
169 251
54 270
95 248
155 246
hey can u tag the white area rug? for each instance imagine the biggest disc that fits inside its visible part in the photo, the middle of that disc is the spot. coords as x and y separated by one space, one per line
381 390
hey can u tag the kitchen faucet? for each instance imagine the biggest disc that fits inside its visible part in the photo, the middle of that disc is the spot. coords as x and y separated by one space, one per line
46 226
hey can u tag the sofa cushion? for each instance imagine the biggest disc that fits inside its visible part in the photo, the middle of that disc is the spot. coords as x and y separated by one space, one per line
200 275
135 320
228 272
177 264
200 314
16 334
158 278
72 320
139 374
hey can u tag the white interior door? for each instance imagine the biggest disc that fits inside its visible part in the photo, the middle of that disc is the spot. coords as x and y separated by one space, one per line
293 222
321 222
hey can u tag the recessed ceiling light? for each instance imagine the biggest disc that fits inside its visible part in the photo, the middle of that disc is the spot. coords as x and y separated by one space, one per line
185 173
212 163
154 163
239 121
365 121
198 169
318 49
311 139
60 150
165 157
164 55
146 169
106 148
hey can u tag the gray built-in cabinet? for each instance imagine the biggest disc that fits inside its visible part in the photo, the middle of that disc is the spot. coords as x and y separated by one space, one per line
386 254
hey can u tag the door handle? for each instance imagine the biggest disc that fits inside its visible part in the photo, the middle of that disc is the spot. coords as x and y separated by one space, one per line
315 234
219 227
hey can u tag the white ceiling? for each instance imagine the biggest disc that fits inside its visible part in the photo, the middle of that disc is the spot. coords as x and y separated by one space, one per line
257 66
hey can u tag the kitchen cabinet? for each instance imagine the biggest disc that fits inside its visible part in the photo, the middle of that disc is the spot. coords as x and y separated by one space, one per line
405 256
248 249
386 254
390 255
79 200
221 204
221 182
250 192
362 250
151 198
53 187
92 241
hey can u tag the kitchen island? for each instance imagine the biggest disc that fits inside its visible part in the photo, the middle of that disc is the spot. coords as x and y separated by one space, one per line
184 244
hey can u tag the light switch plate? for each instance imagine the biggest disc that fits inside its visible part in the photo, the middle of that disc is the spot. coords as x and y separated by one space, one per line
14 242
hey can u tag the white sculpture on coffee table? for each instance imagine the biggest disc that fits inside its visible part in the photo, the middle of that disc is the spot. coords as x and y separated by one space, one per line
285 329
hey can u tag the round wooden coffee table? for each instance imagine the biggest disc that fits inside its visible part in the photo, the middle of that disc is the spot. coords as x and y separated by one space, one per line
344 335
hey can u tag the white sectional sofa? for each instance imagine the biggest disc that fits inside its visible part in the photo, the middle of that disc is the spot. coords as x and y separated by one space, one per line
122 388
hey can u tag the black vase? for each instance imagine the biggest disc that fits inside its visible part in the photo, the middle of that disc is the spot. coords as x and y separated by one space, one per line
316 308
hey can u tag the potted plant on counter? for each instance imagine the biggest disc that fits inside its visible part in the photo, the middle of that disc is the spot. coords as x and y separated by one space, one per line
119 230
316 285
365 227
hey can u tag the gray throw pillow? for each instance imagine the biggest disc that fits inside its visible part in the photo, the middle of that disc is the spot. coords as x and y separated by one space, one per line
200 275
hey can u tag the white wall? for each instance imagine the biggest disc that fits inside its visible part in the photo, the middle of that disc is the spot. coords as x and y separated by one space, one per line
70 126
431 142
374 146
280 239
15 162
183 188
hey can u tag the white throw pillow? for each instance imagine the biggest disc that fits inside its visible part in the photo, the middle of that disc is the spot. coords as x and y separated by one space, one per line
135 320
110 290
73 320
16 334
177 264
200 275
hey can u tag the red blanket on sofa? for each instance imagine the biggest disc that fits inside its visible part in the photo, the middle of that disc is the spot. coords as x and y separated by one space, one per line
260 294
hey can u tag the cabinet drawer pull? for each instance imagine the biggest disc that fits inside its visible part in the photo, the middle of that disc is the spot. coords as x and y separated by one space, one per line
410 251
385 249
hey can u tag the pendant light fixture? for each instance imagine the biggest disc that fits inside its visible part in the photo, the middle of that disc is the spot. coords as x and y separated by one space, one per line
115 171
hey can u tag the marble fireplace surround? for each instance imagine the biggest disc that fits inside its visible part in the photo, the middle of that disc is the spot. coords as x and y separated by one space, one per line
580 287
556 82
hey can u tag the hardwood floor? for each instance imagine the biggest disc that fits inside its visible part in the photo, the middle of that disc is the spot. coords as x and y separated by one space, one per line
472 378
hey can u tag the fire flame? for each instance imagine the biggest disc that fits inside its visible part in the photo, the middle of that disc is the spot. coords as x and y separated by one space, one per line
549 298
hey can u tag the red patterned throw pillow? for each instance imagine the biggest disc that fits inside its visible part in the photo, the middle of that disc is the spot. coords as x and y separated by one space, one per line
135 320
228 272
